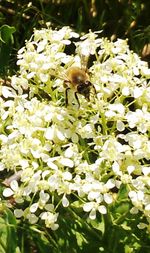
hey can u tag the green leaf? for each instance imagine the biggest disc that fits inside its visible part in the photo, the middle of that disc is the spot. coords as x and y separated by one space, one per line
6 42
8 241
6 32
3 236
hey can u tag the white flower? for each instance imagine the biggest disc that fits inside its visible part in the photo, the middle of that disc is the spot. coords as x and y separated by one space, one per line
146 170
130 168
110 183
33 219
18 213
51 164
7 92
66 162
134 210
108 198
65 201
44 197
115 109
102 209
67 175
87 131
88 44
50 220
33 207
95 195
2 166
8 192
71 153
24 163
12 190
137 92
139 119
116 168
141 225
120 126
92 207
112 150
126 91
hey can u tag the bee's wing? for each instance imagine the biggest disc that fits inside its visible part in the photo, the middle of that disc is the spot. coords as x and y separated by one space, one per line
62 74
84 62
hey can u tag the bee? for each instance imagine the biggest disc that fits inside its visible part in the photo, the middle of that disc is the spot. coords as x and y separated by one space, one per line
78 80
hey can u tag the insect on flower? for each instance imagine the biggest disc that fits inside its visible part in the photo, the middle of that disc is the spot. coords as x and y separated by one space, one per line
77 79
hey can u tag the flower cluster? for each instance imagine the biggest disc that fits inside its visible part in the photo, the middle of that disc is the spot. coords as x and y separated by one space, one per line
50 152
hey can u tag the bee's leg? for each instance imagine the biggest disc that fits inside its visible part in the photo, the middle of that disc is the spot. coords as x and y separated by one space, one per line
66 96
94 89
76 96
66 83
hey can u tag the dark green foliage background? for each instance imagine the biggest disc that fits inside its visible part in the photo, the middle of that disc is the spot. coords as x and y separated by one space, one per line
117 18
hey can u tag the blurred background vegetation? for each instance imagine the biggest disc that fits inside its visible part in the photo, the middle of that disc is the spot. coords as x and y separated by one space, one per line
117 18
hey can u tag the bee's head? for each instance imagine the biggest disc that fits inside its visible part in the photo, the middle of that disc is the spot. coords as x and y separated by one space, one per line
84 89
